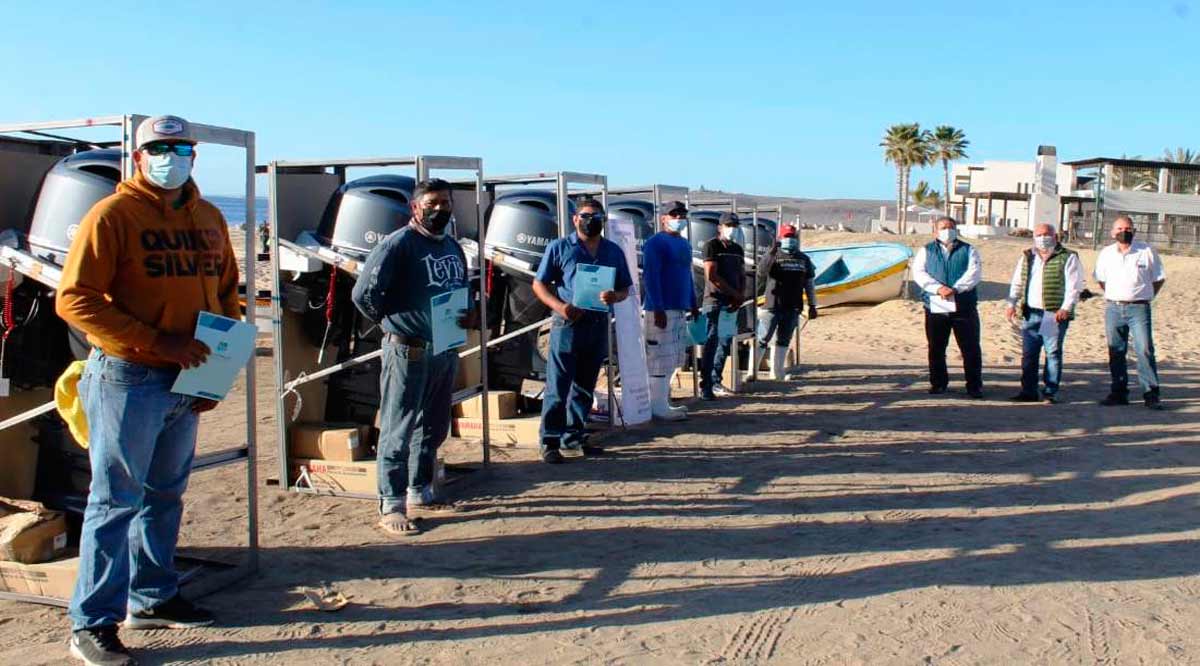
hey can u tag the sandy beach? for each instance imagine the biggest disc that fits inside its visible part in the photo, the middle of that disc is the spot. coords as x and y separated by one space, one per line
845 518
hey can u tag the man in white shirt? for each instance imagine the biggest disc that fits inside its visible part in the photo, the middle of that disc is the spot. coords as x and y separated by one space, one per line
1131 274
948 270
1044 290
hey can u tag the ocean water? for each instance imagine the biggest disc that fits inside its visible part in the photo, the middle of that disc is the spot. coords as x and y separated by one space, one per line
234 208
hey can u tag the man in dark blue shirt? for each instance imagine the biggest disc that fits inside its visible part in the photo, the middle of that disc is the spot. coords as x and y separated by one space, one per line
578 336
668 298
400 278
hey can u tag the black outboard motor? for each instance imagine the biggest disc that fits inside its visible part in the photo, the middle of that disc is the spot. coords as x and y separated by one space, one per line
641 214
69 190
365 211
702 227
519 226
765 233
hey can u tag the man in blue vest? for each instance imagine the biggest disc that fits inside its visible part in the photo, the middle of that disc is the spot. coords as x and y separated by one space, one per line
948 271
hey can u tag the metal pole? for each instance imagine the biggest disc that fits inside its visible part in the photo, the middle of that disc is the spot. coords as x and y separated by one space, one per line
611 321
251 383
481 231
281 416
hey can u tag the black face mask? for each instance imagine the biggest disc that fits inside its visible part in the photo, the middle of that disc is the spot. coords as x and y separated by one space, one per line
1125 237
592 226
434 220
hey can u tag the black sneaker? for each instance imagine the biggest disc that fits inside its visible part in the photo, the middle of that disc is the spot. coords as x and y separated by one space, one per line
1113 399
976 394
1152 402
100 646
1023 397
1050 399
592 450
937 390
552 457
707 395
177 613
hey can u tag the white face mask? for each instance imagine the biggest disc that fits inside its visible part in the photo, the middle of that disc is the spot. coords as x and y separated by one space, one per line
1044 242
947 236
731 234
789 244
677 224
169 171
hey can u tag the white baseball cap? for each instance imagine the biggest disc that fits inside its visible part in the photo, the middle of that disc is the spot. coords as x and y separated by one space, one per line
163 128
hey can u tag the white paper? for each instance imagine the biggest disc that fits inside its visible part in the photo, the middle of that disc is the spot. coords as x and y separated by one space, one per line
231 342
444 312
939 305
634 394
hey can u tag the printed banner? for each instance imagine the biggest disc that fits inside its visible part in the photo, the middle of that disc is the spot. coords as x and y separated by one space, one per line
631 347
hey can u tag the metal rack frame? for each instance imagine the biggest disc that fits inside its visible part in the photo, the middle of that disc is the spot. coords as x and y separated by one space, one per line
562 181
423 165
50 274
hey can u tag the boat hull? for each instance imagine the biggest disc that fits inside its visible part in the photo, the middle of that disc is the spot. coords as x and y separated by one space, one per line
877 288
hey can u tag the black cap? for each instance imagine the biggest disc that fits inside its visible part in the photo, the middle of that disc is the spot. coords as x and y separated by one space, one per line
674 208
729 219
589 202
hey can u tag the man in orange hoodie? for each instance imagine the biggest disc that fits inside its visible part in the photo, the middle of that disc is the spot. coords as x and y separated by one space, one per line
143 265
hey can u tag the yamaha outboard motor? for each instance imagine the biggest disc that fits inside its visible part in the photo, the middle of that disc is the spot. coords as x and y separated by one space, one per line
765 233
365 211
702 227
69 190
641 214
519 227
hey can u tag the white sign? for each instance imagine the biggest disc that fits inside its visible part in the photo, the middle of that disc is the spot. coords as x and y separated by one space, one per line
631 347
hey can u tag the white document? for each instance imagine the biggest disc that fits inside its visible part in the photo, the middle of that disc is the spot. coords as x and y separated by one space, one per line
939 305
444 312
231 342
634 395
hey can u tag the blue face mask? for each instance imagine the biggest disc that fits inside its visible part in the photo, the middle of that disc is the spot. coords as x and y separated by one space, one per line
677 224
169 171
789 244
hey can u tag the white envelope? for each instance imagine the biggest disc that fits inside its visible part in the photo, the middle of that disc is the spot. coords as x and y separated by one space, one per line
939 305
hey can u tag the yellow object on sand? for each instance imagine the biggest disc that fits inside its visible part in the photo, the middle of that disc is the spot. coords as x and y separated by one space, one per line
70 407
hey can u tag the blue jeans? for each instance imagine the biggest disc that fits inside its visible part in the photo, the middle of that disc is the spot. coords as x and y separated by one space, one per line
716 350
142 439
577 352
414 419
1121 319
777 325
1032 344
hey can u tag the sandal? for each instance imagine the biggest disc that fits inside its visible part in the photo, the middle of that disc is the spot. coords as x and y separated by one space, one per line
398 524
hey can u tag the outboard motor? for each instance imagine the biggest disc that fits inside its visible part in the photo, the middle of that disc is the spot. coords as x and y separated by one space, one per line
69 190
641 214
365 211
702 227
766 237
519 226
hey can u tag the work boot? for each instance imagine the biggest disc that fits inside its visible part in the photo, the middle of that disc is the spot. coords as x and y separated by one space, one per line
779 363
660 402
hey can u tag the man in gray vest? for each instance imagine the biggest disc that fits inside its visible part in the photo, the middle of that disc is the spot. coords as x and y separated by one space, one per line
1045 288
948 270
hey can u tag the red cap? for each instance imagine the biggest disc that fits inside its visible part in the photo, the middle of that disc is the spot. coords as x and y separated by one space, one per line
787 231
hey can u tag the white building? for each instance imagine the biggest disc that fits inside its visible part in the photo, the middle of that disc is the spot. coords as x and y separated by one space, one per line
996 192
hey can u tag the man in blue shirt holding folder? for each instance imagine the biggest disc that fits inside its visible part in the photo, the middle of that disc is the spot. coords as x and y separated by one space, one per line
578 336
396 288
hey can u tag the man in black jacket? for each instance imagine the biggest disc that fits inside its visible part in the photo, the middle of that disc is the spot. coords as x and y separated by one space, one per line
787 276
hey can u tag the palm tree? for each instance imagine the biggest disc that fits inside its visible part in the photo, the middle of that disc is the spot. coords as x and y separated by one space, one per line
1181 156
949 144
905 146
924 196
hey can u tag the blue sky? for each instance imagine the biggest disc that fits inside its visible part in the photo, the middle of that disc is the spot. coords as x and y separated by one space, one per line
781 98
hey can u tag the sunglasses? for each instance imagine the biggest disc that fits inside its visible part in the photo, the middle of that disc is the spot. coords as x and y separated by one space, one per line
588 217
180 149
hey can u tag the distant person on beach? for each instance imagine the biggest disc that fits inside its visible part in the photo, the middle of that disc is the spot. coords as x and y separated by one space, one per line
669 297
1131 274
787 276
402 275
1044 291
724 290
948 271
144 264
578 335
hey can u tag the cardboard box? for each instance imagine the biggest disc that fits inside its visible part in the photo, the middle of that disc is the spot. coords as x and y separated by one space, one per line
331 441
520 432
300 356
18 474
55 580
30 533
501 405
468 368
337 476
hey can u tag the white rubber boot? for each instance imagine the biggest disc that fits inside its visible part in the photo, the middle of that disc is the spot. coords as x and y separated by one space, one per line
778 363
660 403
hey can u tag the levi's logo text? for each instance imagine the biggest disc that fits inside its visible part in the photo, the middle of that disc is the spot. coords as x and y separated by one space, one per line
182 252
443 271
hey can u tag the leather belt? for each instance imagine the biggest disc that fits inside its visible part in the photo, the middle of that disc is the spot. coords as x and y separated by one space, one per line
406 340
1131 302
